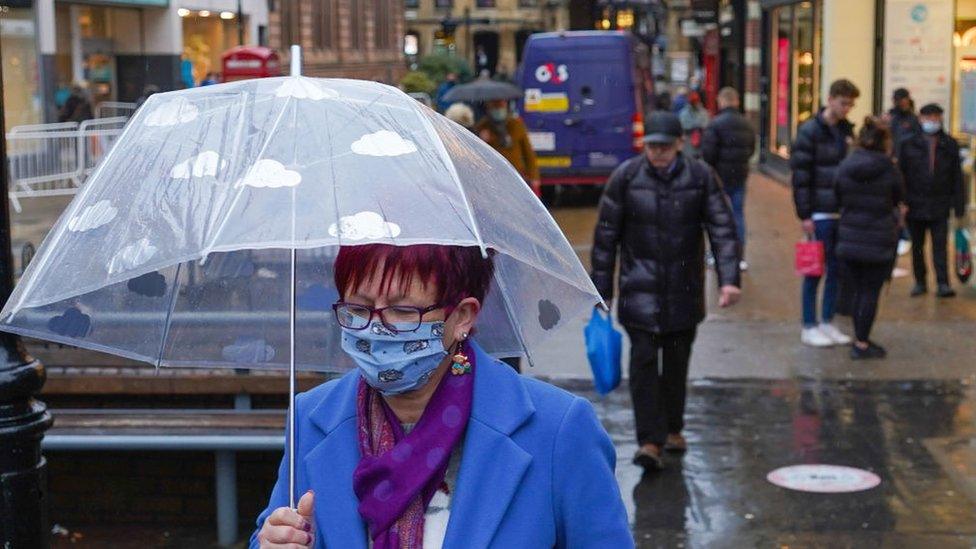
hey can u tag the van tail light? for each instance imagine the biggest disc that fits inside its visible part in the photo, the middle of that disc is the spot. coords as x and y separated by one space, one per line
637 131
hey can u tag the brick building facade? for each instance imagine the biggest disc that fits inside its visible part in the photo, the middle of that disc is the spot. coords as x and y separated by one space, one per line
341 38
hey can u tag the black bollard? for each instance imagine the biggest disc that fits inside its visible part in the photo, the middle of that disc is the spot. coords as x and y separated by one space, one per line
24 519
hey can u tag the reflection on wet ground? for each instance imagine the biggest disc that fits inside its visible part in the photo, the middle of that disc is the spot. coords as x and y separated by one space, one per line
717 494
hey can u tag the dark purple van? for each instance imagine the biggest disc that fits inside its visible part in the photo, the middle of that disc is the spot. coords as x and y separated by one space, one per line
585 94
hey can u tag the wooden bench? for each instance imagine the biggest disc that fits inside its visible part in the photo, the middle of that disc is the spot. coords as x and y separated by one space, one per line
79 383
223 431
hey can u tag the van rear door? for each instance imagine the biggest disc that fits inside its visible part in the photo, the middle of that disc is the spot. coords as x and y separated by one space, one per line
580 102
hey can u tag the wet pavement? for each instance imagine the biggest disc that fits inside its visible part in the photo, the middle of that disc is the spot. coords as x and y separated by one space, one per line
717 495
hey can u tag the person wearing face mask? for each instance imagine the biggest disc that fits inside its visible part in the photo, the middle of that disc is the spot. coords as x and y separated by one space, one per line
655 210
430 442
507 135
932 167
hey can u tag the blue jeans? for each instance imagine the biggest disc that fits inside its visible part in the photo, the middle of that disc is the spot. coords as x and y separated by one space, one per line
826 232
737 196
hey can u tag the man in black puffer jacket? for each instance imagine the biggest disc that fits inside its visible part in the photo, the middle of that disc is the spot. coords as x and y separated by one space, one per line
654 210
728 145
932 167
821 144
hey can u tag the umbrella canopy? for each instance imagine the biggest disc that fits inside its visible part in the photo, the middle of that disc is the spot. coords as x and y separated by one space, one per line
482 89
177 251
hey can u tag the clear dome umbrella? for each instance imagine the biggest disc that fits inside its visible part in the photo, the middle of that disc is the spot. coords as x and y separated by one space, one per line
206 237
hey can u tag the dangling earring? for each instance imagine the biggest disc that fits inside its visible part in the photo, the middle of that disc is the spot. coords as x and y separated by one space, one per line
460 364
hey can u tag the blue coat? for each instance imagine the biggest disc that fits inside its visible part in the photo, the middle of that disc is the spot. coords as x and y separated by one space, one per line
537 468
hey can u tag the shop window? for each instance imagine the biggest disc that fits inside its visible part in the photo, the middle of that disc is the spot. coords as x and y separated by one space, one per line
411 4
485 3
356 15
794 72
324 24
443 3
291 17
383 24
964 47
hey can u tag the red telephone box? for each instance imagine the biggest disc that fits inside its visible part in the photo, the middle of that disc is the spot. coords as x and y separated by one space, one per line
243 62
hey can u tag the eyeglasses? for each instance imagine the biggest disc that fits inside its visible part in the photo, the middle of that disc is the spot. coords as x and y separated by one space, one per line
396 318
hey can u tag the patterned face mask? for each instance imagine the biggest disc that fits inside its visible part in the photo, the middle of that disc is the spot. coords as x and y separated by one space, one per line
396 363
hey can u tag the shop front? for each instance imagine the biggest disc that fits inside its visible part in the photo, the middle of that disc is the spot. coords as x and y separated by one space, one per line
925 46
112 49
792 70
928 46
22 97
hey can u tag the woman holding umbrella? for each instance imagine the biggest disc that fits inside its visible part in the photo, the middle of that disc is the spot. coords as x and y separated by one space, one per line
431 442
505 133
210 236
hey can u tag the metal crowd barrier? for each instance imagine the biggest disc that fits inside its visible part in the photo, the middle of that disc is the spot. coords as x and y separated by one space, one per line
113 109
54 159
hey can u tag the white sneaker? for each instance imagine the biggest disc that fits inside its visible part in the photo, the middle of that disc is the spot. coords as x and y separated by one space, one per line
743 266
815 338
834 334
904 246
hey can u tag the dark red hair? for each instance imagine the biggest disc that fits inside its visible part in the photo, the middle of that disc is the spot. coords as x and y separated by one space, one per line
457 271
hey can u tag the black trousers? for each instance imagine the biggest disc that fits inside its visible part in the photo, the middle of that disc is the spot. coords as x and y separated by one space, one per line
939 230
866 280
658 386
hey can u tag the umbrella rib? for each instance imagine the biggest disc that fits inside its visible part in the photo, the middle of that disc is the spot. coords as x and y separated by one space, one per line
169 313
446 158
240 192
516 327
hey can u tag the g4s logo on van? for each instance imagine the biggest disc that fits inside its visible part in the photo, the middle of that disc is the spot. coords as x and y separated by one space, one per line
557 74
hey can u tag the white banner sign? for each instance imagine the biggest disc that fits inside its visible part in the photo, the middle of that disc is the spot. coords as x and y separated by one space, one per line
918 50
967 101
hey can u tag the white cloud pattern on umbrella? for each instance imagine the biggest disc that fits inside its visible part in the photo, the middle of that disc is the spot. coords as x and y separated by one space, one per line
205 164
93 216
301 88
364 226
383 143
171 113
131 256
268 173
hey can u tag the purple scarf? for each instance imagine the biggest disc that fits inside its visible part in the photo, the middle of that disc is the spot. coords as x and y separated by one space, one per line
399 474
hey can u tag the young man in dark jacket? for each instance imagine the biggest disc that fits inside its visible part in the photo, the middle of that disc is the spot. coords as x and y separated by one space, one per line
821 144
932 168
653 211
728 145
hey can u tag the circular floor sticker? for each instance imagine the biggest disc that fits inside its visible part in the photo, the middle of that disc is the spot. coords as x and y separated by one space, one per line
824 479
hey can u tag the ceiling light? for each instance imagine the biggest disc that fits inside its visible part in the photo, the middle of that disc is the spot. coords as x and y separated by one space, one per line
183 12
204 13
226 15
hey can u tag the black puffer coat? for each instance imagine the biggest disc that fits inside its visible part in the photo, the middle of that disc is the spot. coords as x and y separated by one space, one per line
658 224
931 194
814 157
869 188
728 144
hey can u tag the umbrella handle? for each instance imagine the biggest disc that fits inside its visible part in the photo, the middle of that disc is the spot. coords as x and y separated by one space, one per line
291 388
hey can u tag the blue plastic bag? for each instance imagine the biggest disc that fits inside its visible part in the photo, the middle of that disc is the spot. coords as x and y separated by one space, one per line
603 348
